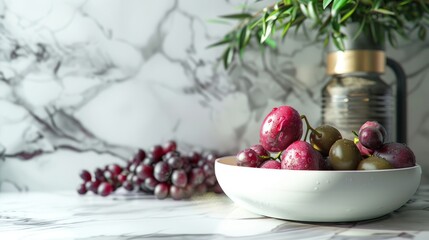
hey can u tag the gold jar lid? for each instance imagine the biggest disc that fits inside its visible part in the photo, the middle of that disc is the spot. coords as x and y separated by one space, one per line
349 61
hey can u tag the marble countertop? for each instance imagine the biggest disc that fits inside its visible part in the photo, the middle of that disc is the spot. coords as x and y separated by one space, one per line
66 215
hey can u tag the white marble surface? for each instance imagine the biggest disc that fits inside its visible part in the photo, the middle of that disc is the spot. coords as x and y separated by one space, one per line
67 215
85 83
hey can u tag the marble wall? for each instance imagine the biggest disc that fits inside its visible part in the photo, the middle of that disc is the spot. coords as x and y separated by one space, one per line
86 83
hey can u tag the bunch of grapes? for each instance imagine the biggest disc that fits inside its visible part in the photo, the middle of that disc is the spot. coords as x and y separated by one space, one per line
281 146
162 171
380 154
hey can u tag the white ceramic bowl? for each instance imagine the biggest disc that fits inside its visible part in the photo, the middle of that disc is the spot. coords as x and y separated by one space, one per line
317 196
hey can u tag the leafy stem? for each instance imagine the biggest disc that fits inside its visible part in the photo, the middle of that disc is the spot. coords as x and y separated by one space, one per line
328 18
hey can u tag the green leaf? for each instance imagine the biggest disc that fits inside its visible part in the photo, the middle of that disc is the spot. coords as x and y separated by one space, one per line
286 28
287 2
326 41
377 4
228 56
273 15
244 39
293 14
405 2
383 11
326 3
304 1
264 23
237 16
219 21
312 12
270 43
267 32
349 13
222 42
337 6
304 10
335 23
324 24
338 42
256 23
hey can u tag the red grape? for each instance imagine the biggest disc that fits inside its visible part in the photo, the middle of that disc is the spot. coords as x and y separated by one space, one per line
115 169
161 190
176 162
301 155
398 154
122 178
82 189
196 176
177 193
85 175
188 191
281 127
150 183
179 178
162 171
156 152
194 157
105 189
158 173
371 137
210 181
144 171
260 150
169 146
208 170
248 158
140 156
378 126
99 174
128 186
94 186
271 164
200 189
217 188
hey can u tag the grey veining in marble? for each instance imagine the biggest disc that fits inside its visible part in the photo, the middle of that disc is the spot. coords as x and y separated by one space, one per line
86 83
66 215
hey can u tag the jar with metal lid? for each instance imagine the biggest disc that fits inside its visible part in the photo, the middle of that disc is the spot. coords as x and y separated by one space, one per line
355 92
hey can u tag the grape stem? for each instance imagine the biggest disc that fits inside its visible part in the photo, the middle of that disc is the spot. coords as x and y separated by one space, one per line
309 128
278 156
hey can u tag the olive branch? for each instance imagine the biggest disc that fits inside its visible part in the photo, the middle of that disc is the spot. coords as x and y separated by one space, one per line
380 19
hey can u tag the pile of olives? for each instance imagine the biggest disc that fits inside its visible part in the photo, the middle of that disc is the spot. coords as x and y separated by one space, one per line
281 146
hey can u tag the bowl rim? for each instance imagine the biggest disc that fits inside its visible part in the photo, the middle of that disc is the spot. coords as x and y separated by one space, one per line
222 160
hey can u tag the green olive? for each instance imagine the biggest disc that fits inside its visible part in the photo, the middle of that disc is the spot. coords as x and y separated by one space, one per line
325 137
344 155
374 163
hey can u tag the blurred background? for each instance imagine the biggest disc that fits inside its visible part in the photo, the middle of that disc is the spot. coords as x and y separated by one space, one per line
87 83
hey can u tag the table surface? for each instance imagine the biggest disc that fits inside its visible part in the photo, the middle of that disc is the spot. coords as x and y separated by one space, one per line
66 215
